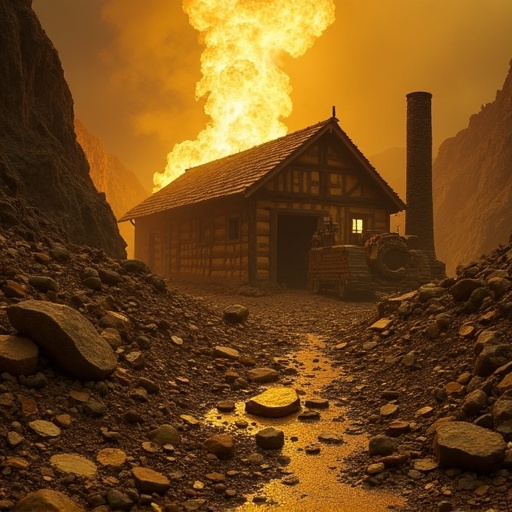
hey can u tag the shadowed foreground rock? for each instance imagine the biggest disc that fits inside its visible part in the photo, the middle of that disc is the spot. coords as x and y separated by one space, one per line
46 500
18 356
66 336
459 444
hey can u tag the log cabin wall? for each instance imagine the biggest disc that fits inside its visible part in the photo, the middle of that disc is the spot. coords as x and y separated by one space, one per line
202 241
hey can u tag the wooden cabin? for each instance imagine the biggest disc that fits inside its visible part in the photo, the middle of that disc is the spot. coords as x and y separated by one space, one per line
251 216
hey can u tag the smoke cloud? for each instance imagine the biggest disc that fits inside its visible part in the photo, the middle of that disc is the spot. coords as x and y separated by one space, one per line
133 68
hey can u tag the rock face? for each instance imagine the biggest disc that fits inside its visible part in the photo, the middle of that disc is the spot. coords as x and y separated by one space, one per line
120 185
45 184
472 187
66 336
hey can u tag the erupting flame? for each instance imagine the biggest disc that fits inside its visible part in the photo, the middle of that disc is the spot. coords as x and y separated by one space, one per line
246 92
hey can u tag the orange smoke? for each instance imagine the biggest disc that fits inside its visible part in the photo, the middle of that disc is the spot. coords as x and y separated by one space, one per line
246 92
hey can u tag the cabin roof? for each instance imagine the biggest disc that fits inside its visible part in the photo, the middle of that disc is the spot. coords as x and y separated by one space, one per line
242 173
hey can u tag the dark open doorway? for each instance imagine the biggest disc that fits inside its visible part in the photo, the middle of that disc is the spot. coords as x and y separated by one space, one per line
294 234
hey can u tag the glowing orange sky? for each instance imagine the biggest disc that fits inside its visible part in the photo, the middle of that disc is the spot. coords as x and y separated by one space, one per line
132 67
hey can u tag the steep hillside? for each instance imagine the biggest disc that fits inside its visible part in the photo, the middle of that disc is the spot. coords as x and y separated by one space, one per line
120 185
473 184
45 185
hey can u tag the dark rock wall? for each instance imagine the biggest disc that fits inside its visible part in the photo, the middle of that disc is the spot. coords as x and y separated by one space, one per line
473 184
45 187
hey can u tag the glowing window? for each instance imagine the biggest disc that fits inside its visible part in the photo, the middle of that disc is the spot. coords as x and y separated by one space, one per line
357 226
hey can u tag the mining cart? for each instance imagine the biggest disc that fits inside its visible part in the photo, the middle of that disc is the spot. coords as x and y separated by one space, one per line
385 262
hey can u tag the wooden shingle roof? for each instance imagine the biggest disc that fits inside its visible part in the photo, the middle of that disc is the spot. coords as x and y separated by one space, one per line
241 172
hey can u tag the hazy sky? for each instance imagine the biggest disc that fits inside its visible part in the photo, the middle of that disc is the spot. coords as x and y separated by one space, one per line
132 67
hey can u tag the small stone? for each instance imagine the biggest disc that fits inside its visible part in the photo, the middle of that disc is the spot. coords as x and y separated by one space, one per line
388 410
165 434
270 439
263 375
308 416
76 464
424 412
381 325
381 445
397 428
44 428
226 352
148 480
236 314
111 457
226 406
290 480
329 438
14 439
317 403
221 445
425 465
376 468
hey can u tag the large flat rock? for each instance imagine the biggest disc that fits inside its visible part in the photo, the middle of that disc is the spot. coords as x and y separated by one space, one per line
274 403
66 337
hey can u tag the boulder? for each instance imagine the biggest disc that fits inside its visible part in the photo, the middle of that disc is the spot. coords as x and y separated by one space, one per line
66 337
466 446
274 403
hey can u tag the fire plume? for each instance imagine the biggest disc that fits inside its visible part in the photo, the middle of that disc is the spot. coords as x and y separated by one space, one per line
246 92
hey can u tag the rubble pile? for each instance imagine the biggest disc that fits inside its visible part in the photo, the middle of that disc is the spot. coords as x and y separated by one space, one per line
105 375
431 382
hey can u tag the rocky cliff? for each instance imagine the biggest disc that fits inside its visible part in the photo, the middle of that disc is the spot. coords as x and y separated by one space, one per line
120 185
473 184
45 186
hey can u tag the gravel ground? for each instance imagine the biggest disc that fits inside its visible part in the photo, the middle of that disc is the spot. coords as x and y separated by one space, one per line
169 349
406 365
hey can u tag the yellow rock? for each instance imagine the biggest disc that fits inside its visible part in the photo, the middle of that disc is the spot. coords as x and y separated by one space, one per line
274 403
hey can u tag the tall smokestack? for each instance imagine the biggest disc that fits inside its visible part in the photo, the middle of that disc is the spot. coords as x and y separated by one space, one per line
419 218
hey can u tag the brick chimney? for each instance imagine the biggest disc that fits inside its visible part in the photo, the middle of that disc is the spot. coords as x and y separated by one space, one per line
419 217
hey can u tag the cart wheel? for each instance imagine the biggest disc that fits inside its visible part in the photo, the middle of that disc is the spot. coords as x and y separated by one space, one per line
342 289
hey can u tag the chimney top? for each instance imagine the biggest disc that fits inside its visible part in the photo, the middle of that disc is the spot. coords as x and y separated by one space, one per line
419 93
